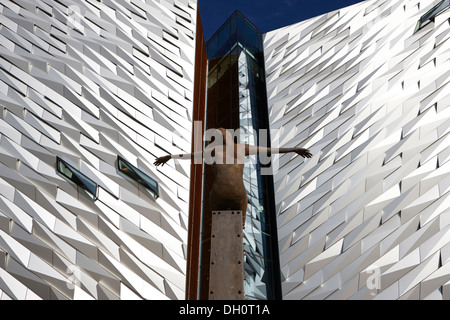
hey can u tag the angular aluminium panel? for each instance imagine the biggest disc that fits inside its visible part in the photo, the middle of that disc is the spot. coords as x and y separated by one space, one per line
88 81
367 217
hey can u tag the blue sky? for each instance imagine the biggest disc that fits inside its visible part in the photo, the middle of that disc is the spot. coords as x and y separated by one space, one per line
267 15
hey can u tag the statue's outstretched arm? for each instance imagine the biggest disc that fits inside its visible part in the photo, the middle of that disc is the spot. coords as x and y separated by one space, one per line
249 150
185 156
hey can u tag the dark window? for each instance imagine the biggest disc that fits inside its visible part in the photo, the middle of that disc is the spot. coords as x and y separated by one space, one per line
431 14
136 174
73 175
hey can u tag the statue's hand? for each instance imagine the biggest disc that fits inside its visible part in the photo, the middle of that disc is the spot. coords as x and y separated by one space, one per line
162 160
304 153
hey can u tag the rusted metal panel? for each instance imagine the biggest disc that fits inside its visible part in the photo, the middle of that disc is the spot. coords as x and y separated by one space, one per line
196 187
226 276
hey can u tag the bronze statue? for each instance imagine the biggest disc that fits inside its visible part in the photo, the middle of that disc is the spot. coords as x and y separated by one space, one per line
228 158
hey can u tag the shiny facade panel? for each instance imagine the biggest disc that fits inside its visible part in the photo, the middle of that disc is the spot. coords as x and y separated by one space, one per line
367 216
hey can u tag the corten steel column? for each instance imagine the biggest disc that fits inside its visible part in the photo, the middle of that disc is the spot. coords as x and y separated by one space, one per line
196 187
226 273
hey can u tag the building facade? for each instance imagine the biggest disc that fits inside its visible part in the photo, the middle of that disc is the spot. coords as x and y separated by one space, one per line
93 91
366 89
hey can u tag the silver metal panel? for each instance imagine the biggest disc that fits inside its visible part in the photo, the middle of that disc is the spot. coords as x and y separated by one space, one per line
369 98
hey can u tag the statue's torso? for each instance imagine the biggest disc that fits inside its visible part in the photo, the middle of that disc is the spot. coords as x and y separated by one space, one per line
228 190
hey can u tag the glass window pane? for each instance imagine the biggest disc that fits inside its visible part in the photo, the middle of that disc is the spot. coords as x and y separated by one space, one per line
434 11
88 184
76 177
251 34
138 175
149 181
233 25
431 14
212 78
241 29
224 35
418 26
212 47
64 170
